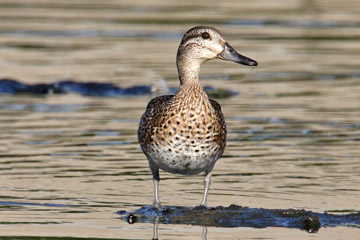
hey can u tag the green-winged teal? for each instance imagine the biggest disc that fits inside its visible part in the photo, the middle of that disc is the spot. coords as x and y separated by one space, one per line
185 133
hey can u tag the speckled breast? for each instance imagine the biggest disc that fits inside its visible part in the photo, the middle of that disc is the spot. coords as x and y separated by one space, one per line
189 138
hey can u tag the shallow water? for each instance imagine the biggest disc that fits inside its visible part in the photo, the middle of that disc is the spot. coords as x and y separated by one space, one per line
69 163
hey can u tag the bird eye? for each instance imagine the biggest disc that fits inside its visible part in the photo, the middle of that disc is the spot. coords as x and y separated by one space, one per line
205 35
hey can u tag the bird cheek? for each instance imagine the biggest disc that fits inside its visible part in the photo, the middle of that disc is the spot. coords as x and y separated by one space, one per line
207 55
212 54
218 48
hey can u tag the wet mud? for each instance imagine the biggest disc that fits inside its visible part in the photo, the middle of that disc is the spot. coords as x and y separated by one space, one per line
11 86
238 216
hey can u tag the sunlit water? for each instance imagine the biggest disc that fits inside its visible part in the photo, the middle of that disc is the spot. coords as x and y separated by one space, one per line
68 163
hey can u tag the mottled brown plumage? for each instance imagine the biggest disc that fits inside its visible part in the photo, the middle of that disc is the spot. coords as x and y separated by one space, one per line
185 133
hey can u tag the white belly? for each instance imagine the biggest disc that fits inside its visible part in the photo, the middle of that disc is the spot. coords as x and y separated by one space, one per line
187 157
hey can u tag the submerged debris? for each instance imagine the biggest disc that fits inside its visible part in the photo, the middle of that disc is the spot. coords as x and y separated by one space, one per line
238 216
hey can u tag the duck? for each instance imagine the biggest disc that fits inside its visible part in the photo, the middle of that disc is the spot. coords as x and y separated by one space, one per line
185 133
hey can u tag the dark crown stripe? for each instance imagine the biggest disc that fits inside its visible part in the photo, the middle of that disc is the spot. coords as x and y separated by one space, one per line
188 37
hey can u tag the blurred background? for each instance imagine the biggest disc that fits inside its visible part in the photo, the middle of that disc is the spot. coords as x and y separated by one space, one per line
69 162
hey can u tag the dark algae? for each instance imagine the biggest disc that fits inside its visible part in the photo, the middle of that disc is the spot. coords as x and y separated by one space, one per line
98 89
238 216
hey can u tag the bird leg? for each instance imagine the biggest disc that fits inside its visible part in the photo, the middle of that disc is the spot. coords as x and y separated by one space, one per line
207 181
156 180
156 203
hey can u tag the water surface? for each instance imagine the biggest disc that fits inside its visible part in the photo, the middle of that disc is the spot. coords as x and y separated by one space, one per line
68 163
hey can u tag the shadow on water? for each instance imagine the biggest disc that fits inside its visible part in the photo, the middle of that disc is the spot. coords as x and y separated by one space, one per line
238 216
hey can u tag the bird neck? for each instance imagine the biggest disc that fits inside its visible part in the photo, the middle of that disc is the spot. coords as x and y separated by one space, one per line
188 69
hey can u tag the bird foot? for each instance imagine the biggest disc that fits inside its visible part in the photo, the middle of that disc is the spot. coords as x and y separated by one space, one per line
200 207
158 206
